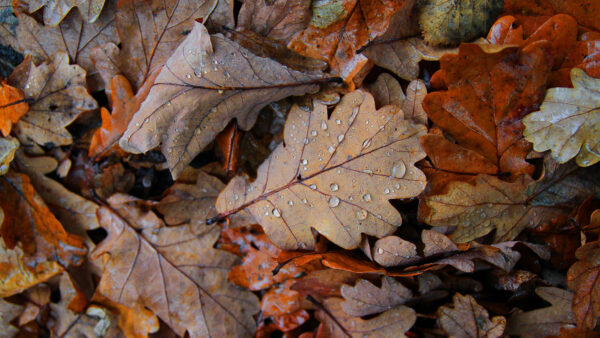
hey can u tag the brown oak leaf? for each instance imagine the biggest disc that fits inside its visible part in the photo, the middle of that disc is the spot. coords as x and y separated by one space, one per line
173 271
335 175
583 278
279 20
8 312
207 81
386 90
365 298
469 319
56 10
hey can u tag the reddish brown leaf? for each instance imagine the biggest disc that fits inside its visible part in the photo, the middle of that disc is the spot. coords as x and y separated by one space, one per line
365 298
584 11
583 278
228 142
12 107
469 319
279 20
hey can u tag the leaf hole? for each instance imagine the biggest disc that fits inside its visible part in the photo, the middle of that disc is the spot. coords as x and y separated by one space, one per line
97 235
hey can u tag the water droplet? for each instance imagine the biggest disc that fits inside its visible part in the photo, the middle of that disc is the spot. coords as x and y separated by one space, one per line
334 201
137 124
362 214
334 187
380 251
304 161
379 216
399 169
266 213
189 76
386 191
338 121
220 91
290 202
367 197
366 143
313 186
276 212
367 122
340 137
330 149
304 201
305 141
235 197
313 133
397 185
323 125
353 116
367 171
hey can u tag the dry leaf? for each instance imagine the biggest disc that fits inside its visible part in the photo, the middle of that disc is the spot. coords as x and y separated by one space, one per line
205 83
56 10
402 57
451 22
583 278
336 323
8 312
584 11
8 147
386 90
339 28
279 20
8 24
469 319
136 322
392 251
568 122
335 174
12 107
365 299
57 94
173 271
67 311
545 321
73 36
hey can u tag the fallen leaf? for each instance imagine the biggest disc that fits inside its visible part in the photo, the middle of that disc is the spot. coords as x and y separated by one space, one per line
386 90
451 22
280 300
68 310
365 299
582 277
12 107
32 226
125 104
568 122
469 319
324 283
336 323
393 251
8 312
74 36
228 141
135 322
96 321
339 28
189 292
279 20
545 321
326 176
193 98
56 10
57 94
8 24
584 11
8 147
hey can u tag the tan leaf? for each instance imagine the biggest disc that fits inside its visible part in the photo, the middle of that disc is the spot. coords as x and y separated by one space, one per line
546 321
451 22
469 319
97 321
278 20
207 81
57 92
73 36
68 310
136 322
8 24
583 278
173 271
365 298
56 10
402 57
387 90
336 323
568 122
335 175
8 312
392 251
8 147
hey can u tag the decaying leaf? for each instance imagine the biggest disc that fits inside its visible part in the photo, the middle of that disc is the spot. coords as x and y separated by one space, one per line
206 82
335 174
67 311
56 10
583 278
402 57
568 122
386 90
336 323
8 147
57 94
136 322
545 321
279 20
339 28
12 107
469 319
173 271
73 36
365 298
451 22
8 312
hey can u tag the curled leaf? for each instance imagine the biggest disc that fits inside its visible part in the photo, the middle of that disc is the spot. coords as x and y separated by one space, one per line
56 10
365 298
469 319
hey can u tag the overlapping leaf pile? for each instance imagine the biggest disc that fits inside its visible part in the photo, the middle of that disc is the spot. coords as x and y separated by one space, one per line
299 168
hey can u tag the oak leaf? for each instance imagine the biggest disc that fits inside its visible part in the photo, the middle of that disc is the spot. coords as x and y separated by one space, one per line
8 312
393 251
583 278
279 20
339 28
469 319
57 94
334 174
56 10
8 147
8 24
545 321
568 122
135 322
386 90
365 298
336 323
12 107
207 81
584 11
67 311
173 271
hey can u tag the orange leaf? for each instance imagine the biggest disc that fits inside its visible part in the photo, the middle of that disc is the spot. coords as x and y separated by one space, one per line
12 107
584 278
